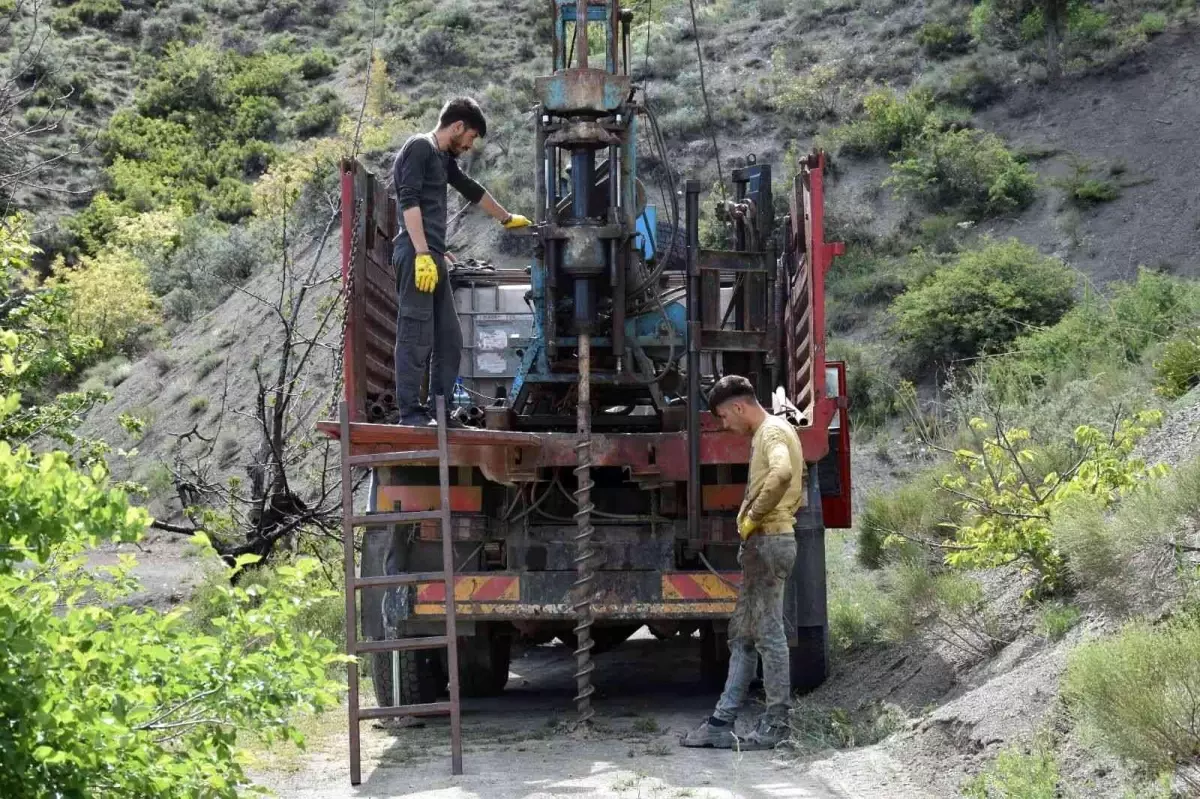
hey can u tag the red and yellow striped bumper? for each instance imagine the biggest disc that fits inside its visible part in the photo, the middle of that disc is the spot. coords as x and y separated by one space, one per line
535 595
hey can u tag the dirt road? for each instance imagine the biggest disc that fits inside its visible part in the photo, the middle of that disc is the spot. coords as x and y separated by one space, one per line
520 745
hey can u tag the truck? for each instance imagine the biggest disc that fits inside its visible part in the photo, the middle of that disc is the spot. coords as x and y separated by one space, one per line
593 492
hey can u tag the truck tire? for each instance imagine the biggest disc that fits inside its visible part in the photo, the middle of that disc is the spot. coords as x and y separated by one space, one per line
419 678
483 662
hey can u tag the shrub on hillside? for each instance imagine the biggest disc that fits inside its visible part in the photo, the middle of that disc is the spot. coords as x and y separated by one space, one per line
1139 693
280 15
969 170
1104 333
99 13
1010 505
1017 774
940 40
108 298
903 523
1177 370
317 63
872 383
206 266
889 122
813 96
319 116
982 301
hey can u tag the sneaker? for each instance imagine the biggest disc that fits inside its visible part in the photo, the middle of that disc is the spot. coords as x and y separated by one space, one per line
767 734
708 736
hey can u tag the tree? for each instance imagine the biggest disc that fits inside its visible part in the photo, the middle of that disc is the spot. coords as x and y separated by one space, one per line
31 73
298 211
1054 12
98 696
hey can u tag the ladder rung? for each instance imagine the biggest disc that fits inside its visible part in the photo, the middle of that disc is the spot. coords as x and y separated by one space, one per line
399 644
395 518
429 709
389 580
390 458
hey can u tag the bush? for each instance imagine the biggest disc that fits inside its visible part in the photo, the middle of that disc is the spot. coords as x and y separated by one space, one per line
209 261
940 40
982 301
813 96
116 699
280 15
1177 370
816 729
899 525
108 297
317 63
65 20
859 611
319 116
159 32
976 84
1105 334
99 13
1139 692
199 129
1092 192
1011 495
1055 619
872 384
969 170
1152 23
1017 774
890 122
443 48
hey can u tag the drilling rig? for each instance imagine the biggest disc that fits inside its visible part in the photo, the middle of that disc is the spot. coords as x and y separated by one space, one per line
597 494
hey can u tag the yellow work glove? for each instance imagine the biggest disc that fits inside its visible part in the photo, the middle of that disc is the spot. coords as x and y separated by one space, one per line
515 221
426 273
746 527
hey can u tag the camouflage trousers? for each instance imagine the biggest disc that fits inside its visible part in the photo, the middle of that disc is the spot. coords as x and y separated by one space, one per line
756 629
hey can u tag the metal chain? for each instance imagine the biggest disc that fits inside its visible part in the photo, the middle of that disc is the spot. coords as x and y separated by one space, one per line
347 300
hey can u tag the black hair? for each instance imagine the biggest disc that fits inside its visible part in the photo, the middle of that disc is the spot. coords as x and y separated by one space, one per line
728 388
466 111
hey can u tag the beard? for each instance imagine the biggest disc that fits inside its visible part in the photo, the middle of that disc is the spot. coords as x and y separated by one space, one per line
458 146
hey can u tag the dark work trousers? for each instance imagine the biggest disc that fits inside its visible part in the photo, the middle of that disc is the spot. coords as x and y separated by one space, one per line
426 325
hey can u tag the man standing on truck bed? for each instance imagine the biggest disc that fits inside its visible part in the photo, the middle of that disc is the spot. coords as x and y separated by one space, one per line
427 323
775 491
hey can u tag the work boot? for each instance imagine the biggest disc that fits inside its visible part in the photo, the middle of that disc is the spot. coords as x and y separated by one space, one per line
767 734
709 736
416 416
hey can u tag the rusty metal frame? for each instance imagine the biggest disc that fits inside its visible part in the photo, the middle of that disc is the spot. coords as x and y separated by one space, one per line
354 584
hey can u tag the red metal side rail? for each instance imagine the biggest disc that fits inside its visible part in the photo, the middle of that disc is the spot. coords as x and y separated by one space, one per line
809 257
354 647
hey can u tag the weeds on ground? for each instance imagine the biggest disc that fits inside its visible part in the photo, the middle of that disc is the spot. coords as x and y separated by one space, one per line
1055 619
858 608
1177 370
1018 773
1138 695
815 729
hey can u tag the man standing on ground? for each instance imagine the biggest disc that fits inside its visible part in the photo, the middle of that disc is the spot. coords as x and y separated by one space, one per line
427 322
775 491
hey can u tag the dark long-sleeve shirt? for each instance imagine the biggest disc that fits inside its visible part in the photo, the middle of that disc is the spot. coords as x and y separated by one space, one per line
420 174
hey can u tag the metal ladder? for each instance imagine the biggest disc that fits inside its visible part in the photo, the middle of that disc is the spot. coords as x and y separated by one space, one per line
354 583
